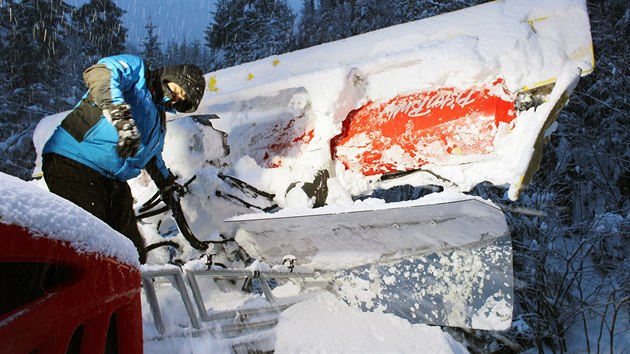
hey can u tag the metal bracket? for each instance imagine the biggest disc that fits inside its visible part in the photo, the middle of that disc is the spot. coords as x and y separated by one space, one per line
180 285
233 322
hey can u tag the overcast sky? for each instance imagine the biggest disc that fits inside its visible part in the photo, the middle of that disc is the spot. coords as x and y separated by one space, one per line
174 19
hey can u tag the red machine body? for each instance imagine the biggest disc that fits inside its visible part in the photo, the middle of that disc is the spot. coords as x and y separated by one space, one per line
58 300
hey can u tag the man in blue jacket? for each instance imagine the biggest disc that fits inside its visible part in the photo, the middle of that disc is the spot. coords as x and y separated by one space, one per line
115 131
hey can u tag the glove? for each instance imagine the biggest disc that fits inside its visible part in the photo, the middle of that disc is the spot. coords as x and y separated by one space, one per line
172 191
128 135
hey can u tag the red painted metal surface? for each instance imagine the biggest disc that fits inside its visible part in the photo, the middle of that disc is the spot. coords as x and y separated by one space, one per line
88 291
409 131
269 147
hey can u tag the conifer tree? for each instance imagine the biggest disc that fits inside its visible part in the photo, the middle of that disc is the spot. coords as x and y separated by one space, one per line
303 37
151 46
195 53
246 30
33 33
99 24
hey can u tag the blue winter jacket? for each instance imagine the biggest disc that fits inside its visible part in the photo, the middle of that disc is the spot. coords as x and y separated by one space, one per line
88 137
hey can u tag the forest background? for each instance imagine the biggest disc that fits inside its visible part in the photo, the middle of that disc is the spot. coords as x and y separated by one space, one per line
570 257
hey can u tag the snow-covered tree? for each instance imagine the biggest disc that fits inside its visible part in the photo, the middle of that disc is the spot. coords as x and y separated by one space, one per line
246 30
33 40
152 52
99 24
328 20
32 61
186 52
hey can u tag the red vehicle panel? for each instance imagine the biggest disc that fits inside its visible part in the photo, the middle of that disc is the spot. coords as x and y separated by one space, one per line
409 131
58 300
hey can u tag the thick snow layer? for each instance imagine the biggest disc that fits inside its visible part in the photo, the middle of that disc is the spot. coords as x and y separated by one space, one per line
334 327
27 205
492 38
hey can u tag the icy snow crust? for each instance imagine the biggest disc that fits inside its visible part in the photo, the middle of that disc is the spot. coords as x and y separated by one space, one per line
25 204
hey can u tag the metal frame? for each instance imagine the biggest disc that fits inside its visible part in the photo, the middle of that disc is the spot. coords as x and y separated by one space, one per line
232 322
149 289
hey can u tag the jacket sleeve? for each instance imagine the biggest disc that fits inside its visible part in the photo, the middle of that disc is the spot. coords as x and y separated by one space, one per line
159 173
111 77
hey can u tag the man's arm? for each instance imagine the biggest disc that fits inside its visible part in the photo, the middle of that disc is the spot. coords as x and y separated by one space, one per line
111 77
159 173
107 81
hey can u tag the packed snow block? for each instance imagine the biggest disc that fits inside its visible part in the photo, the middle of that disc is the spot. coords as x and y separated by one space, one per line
57 299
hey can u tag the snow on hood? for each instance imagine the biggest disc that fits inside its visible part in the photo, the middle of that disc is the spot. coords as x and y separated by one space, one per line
27 205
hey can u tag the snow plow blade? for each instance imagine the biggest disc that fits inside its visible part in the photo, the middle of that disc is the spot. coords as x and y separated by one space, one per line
468 286
341 239
447 264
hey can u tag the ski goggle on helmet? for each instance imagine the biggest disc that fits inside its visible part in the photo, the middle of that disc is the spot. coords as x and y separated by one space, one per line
190 78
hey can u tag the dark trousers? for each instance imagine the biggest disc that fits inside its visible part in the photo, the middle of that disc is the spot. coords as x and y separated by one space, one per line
107 199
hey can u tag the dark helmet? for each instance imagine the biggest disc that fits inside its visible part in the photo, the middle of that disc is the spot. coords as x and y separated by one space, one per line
190 78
